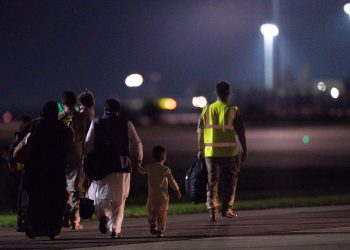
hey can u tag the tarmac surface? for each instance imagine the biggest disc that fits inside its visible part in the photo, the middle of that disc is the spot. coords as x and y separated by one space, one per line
291 228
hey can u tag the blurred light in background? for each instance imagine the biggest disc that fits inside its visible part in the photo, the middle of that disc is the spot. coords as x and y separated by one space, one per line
306 139
347 8
155 77
321 86
134 80
7 117
269 31
334 93
199 101
167 103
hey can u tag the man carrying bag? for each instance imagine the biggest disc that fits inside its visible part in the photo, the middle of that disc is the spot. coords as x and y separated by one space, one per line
218 126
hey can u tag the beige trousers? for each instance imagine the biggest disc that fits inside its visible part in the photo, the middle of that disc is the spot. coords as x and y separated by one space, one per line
159 218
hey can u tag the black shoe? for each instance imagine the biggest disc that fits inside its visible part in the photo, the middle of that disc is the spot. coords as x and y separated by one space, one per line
115 235
30 234
28 229
214 214
152 228
103 224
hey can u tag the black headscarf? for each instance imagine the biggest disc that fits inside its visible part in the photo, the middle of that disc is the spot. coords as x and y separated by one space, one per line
50 111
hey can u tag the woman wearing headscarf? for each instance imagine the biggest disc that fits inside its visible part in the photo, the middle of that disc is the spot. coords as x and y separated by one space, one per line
43 185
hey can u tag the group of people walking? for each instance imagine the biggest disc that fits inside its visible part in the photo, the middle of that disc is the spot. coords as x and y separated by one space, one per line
55 149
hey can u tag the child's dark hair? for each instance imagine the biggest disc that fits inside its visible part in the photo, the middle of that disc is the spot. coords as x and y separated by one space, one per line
159 153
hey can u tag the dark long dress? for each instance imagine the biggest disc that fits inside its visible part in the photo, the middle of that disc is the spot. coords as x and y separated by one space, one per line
43 186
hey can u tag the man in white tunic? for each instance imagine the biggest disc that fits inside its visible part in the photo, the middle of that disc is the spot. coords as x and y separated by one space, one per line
110 192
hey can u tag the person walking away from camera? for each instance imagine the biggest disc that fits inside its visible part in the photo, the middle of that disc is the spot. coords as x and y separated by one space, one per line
110 192
87 101
43 183
159 177
218 126
75 174
15 168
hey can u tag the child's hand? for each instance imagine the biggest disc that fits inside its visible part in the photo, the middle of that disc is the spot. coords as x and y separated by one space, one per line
178 194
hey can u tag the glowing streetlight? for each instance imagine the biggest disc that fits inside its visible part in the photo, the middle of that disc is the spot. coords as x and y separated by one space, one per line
347 8
269 31
199 101
134 80
335 93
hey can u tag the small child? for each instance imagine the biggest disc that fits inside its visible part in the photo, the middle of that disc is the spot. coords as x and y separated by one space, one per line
159 176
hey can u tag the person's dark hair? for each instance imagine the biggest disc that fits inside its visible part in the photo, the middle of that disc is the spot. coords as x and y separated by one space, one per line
159 153
112 105
68 98
86 98
223 89
50 111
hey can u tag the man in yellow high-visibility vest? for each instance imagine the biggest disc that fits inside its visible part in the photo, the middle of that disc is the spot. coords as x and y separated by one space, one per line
218 126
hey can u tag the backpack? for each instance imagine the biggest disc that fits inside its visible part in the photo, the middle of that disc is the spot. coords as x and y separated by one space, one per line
196 182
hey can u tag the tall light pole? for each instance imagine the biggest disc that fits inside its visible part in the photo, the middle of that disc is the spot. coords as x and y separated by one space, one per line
347 9
269 31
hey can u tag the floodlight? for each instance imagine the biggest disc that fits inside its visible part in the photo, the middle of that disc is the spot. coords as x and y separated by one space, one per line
347 8
134 80
269 30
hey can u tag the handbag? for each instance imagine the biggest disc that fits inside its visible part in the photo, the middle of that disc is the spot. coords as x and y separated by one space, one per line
22 150
87 207
196 181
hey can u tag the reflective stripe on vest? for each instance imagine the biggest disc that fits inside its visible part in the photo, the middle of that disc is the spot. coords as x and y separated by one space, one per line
221 144
219 133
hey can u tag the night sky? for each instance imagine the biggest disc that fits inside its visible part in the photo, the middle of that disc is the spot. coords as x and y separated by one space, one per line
50 46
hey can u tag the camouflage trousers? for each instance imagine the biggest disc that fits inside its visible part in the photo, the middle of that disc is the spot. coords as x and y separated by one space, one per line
72 213
226 170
